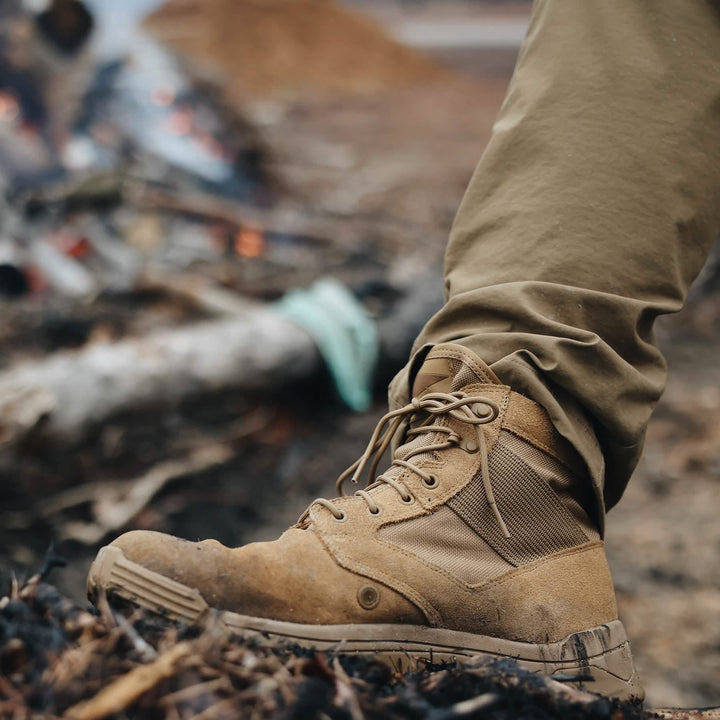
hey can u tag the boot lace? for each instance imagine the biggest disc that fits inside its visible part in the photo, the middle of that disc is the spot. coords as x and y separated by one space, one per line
473 410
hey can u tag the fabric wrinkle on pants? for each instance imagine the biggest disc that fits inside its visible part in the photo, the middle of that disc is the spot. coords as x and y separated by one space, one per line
592 210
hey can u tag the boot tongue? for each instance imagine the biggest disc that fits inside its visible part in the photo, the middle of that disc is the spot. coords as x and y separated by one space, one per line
449 368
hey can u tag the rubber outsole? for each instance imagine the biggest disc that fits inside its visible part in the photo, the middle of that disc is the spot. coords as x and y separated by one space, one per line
597 659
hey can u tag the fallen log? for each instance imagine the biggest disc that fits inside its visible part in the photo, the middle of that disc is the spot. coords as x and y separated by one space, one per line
256 348
69 392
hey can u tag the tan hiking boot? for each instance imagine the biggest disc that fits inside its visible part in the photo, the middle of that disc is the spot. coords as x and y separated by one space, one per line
476 541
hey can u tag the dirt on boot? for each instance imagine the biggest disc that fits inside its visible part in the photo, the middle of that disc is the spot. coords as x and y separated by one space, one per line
476 542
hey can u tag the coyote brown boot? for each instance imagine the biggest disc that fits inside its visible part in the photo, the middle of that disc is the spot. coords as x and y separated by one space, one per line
478 540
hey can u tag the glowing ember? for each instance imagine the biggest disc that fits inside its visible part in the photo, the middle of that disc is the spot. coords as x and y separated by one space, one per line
249 243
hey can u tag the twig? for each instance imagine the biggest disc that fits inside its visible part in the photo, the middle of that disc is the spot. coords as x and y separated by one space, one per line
473 705
113 509
345 696
145 651
106 613
188 693
128 688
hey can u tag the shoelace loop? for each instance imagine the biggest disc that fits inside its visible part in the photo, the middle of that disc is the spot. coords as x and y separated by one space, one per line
473 410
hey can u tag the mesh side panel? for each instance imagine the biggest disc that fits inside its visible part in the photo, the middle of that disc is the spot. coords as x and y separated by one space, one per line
555 474
463 375
576 493
444 540
416 443
538 522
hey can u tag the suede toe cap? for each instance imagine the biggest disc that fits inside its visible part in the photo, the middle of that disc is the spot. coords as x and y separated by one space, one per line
293 579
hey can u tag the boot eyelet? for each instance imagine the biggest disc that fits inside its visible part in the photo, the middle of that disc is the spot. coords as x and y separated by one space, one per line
484 412
431 482
341 518
376 513
410 500
469 446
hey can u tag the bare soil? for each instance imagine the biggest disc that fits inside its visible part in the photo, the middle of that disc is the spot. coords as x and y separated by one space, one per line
288 47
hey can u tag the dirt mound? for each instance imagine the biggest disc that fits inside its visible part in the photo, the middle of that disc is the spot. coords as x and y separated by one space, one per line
287 47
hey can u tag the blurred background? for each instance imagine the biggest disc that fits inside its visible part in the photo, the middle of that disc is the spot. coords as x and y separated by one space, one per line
221 226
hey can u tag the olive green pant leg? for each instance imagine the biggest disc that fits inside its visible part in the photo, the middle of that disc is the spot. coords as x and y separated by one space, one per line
592 210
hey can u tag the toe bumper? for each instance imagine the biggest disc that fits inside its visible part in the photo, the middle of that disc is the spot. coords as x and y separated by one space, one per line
113 572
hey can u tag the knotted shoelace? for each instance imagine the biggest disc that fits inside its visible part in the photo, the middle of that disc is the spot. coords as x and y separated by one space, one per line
473 410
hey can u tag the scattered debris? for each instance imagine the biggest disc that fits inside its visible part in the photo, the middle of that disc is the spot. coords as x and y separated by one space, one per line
235 207
157 184
61 660
78 130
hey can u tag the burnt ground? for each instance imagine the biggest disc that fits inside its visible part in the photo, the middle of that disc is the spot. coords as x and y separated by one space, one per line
401 160
62 660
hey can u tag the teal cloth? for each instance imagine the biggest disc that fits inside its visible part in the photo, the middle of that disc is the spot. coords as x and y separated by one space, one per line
345 335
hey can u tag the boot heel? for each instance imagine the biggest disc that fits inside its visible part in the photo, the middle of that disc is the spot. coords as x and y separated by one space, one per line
610 672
